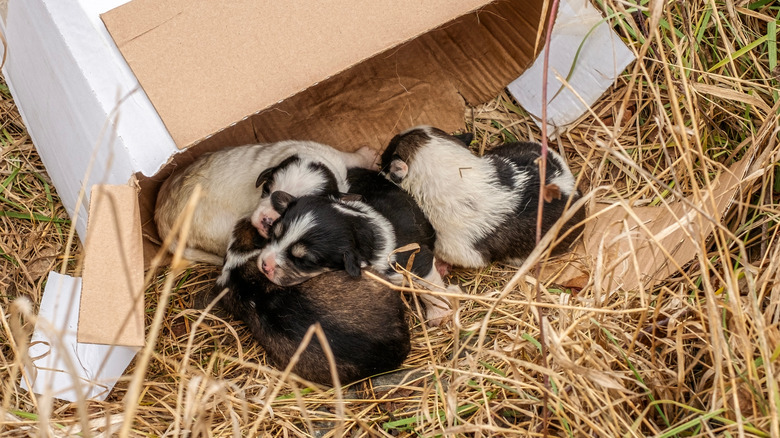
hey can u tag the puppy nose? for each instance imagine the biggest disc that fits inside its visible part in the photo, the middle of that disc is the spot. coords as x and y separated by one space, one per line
260 225
268 266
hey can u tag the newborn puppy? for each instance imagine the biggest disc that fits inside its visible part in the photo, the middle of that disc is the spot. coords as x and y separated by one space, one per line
318 234
298 177
363 321
483 208
229 181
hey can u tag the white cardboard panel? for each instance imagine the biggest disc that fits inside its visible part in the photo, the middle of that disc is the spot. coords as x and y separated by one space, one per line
602 58
75 94
60 363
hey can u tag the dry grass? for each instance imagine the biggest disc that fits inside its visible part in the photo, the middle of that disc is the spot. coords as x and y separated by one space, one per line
693 355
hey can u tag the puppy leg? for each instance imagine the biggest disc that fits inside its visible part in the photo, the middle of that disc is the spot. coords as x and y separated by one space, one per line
438 308
424 265
364 157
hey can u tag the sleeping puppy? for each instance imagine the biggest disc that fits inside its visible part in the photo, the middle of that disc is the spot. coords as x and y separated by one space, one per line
319 234
232 189
363 321
483 208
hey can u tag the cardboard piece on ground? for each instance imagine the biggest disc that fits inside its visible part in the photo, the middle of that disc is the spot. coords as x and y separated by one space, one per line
59 361
233 60
112 299
584 46
646 235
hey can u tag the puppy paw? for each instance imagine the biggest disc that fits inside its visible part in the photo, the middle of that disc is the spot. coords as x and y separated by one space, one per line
369 158
442 267
439 309
436 316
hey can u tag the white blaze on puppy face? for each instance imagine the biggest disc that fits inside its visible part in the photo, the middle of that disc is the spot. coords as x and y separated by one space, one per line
275 252
297 179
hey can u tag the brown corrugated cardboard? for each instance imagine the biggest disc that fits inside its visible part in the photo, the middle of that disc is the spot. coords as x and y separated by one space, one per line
112 304
639 246
427 80
206 65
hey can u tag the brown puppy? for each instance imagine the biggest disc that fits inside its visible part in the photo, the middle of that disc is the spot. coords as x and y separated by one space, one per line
364 321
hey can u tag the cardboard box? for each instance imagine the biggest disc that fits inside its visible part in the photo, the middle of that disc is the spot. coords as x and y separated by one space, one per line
116 92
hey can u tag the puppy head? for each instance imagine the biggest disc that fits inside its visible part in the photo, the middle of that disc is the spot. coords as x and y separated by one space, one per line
312 236
400 153
296 176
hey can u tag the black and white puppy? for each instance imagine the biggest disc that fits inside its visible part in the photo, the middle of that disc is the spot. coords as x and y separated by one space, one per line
297 176
229 182
320 234
363 321
482 208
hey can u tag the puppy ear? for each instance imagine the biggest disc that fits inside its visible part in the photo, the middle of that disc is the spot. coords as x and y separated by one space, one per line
398 170
465 138
352 263
264 176
281 200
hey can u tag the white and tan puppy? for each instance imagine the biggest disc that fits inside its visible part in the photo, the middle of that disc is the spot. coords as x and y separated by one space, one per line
231 188
482 208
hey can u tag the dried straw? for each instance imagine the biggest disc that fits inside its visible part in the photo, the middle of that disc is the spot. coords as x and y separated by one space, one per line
695 354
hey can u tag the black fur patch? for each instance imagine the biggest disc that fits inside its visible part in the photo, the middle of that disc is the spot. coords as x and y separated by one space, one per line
336 241
409 222
517 238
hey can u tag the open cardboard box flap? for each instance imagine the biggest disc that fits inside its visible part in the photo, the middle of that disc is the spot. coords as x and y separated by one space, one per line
112 294
213 74
207 67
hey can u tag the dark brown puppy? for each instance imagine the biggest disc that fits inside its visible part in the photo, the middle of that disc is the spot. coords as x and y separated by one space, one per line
363 321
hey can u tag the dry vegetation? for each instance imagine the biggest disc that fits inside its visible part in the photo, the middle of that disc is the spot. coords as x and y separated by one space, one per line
695 354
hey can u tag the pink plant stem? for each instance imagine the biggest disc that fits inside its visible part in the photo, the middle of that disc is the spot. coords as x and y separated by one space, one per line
540 211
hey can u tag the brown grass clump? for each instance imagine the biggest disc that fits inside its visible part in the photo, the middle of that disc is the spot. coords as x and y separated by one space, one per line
695 354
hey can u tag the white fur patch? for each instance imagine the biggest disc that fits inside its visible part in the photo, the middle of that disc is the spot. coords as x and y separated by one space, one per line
295 230
298 179
234 260
460 196
564 180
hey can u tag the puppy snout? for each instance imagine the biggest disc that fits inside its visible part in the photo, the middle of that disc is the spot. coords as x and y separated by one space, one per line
263 224
268 266
263 221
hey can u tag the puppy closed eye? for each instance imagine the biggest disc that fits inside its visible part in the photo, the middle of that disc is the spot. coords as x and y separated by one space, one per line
298 250
265 190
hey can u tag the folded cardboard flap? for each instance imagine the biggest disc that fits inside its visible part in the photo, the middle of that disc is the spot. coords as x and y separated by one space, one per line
660 239
112 304
232 59
428 80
